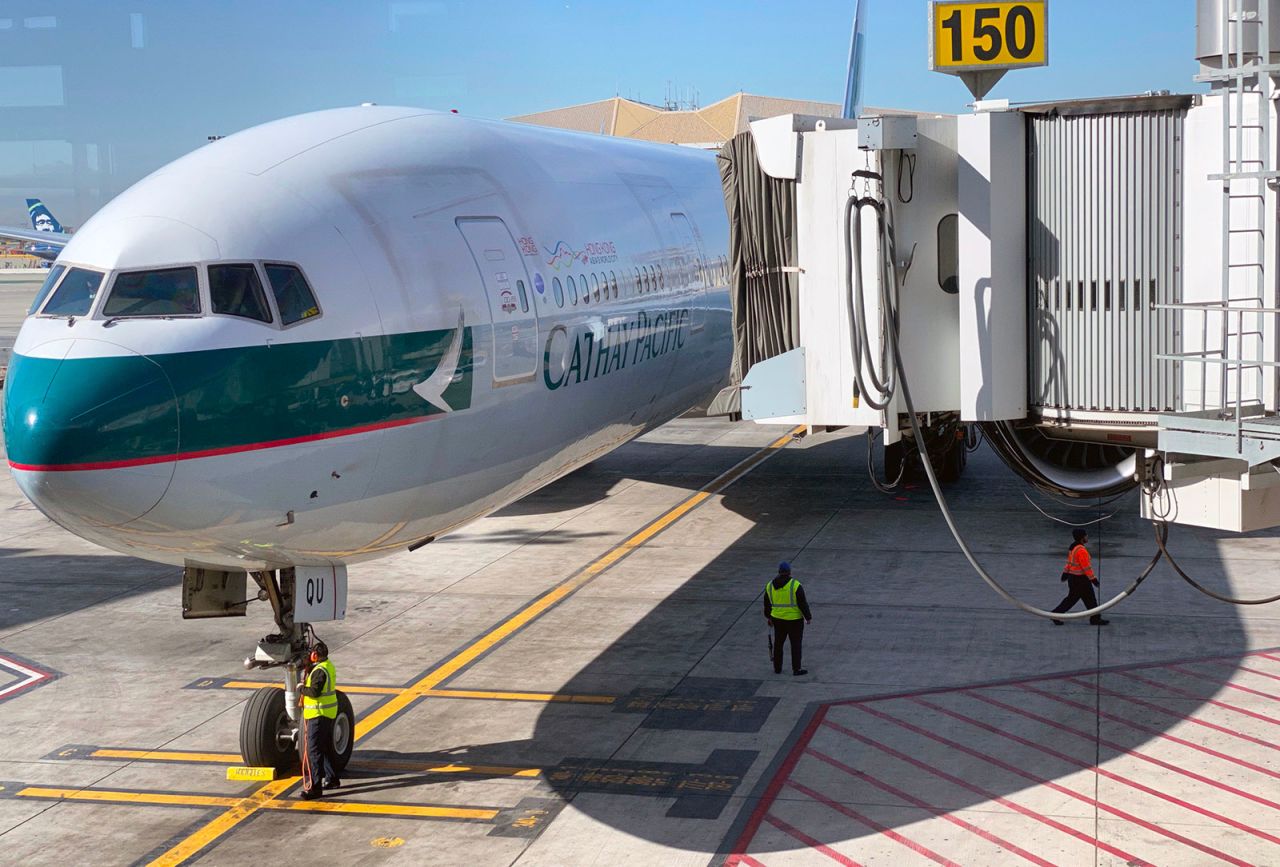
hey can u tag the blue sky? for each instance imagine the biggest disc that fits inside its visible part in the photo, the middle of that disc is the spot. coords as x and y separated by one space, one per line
94 94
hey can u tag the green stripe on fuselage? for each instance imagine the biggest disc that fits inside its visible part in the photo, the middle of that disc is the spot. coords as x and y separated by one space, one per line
96 410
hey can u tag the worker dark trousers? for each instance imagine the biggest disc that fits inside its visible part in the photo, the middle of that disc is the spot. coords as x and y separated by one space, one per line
320 753
783 629
1079 589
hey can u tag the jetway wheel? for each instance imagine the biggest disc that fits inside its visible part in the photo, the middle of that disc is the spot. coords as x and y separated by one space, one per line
344 731
1067 468
945 449
267 733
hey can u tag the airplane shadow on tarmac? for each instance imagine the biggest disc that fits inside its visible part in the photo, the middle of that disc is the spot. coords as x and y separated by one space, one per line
700 723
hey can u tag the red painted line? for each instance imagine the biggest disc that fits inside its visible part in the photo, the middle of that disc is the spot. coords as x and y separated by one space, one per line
990 796
226 450
1193 720
1269 656
775 784
1234 667
1188 694
936 811
1242 667
872 824
1258 671
1115 811
33 677
1228 684
1133 784
810 842
1122 750
1040 678
1156 732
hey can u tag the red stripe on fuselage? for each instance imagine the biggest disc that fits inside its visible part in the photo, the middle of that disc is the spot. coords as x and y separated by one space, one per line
226 450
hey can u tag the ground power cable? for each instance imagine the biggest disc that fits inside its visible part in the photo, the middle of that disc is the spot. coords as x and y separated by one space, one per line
1162 530
1205 590
1106 517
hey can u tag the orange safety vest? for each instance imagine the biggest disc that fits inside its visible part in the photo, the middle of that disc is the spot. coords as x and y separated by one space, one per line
1079 562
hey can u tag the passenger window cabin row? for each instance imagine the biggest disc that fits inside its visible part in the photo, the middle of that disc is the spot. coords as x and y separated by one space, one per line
596 287
600 286
234 289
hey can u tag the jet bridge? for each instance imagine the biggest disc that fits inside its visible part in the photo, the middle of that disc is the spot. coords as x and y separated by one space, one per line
1089 283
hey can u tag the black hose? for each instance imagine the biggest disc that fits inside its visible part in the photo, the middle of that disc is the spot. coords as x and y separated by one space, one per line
1205 590
950 520
880 393
883 487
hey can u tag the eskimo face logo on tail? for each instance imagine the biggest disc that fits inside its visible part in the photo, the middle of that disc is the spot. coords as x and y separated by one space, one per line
41 218
439 389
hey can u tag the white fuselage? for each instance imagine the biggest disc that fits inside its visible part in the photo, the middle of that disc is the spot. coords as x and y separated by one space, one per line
447 372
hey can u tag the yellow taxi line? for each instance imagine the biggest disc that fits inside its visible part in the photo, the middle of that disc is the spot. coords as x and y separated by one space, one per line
165 799
375 764
487 694
210 832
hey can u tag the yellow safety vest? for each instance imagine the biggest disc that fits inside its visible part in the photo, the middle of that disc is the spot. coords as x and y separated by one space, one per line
782 601
327 704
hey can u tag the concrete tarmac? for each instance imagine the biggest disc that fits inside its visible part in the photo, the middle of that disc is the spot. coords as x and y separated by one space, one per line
583 678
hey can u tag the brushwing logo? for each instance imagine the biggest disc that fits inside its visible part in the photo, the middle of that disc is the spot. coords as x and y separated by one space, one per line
452 370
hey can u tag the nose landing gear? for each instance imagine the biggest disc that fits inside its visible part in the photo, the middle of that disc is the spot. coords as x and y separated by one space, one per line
270 725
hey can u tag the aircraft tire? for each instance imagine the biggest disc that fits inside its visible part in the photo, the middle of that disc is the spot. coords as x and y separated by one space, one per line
344 731
266 739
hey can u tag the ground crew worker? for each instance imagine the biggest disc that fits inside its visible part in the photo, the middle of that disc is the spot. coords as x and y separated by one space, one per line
319 710
1080 579
784 608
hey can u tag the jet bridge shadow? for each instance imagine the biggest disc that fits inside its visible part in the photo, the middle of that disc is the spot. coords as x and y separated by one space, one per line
641 461
702 730
35 587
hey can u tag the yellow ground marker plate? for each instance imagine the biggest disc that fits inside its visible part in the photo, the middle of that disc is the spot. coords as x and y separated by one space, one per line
243 774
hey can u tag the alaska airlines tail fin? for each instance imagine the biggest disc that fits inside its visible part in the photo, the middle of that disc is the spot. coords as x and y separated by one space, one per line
42 220
857 57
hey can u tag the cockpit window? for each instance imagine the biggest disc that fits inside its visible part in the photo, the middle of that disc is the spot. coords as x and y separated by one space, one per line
49 282
167 292
293 295
236 291
75 293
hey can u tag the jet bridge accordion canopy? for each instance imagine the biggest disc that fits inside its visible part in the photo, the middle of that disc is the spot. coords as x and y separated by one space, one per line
765 283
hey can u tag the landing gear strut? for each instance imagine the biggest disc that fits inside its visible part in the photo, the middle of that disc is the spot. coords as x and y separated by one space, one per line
270 727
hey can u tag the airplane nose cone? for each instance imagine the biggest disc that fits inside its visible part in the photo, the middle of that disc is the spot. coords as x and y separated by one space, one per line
91 431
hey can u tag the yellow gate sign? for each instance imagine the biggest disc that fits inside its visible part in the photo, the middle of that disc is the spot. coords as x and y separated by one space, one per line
976 35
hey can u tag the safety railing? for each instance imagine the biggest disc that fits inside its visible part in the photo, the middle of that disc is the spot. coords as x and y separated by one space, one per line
1231 394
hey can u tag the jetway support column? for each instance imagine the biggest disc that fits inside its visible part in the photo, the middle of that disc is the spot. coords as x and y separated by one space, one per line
993 266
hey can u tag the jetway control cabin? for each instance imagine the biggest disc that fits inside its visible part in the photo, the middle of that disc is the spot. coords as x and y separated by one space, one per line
1091 282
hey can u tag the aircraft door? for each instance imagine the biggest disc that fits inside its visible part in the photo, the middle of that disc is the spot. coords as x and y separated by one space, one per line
510 296
690 266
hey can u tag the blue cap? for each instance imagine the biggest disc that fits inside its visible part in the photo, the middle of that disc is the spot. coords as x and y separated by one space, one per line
784 567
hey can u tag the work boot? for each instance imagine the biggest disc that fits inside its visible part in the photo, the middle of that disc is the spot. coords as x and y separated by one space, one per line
310 794
1098 621
1057 623
802 671
335 783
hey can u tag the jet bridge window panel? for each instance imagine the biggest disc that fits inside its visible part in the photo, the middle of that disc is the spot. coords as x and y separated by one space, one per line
1104 226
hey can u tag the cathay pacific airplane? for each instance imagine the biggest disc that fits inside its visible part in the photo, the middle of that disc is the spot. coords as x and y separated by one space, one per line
45 238
347 333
